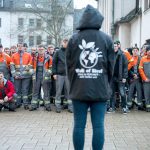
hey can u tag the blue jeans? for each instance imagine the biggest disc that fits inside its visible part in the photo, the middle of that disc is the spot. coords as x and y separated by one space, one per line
97 110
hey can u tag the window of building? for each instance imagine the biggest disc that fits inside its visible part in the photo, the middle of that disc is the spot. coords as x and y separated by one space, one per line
38 23
1 3
49 40
20 22
0 22
20 39
11 4
31 22
31 40
146 4
38 40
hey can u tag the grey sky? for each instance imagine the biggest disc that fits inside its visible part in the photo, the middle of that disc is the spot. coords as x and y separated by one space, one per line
83 3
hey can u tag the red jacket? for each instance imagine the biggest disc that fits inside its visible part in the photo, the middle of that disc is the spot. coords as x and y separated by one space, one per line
9 90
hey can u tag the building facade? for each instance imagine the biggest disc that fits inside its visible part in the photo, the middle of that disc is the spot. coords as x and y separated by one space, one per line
22 21
126 20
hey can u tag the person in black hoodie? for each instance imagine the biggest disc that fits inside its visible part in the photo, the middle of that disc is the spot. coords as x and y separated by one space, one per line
90 63
59 74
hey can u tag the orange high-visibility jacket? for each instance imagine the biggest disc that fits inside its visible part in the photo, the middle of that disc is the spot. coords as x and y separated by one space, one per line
134 62
141 67
22 70
129 58
5 58
47 62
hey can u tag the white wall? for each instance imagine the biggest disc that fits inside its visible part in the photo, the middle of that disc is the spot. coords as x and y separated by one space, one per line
123 7
136 32
145 26
105 7
124 35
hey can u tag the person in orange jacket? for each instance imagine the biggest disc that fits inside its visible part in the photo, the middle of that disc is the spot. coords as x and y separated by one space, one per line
13 50
42 66
7 51
144 69
22 72
134 79
5 61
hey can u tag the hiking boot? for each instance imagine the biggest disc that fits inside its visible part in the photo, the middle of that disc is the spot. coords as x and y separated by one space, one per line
110 110
58 110
70 110
148 109
26 107
48 109
32 109
124 111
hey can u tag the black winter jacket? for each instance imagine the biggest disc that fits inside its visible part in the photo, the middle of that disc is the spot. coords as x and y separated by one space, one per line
123 66
90 59
58 67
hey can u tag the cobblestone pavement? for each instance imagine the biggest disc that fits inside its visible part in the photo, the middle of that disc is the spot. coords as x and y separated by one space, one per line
41 130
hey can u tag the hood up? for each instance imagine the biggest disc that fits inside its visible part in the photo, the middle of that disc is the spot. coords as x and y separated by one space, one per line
91 19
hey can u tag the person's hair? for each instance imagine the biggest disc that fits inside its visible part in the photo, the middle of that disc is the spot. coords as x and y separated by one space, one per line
65 40
115 43
130 50
39 46
135 48
25 45
1 72
118 42
6 48
13 47
51 46
148 48
20 44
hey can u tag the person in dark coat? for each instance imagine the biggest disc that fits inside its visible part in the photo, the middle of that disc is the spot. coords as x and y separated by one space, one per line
90 63
59 74
119 79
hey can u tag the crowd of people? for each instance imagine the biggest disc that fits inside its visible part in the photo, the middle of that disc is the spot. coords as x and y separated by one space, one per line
131 80
34 78
38 78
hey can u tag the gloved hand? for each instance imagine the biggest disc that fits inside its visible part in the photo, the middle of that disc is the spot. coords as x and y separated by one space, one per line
6 99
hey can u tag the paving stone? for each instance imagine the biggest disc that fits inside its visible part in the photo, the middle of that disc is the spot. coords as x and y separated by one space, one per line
40 130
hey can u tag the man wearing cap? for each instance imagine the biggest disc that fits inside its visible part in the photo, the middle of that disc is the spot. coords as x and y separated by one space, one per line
144 69
5 61
21 71
119 79
126 53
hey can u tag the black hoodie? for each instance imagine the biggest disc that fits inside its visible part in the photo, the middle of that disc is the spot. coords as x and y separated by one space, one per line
90 59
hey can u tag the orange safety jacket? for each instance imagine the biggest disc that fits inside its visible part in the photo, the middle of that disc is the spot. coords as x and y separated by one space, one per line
129 58
20 65
5 61
134 62
144 68
47 63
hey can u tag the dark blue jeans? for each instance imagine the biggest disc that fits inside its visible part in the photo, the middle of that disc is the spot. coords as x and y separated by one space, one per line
97 110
